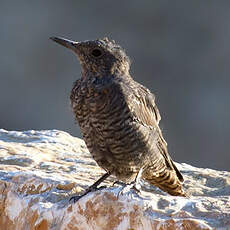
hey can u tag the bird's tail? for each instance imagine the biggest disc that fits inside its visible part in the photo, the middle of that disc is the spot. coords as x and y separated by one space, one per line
167 180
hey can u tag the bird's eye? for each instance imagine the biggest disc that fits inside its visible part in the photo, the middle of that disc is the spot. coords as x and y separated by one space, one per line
96 52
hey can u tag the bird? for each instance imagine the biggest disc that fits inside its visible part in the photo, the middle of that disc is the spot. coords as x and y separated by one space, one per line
119 118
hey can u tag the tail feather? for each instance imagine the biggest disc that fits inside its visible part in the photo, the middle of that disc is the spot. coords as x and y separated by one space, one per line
167 180
179 175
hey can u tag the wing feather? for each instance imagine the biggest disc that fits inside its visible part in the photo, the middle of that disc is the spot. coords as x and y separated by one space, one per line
143 106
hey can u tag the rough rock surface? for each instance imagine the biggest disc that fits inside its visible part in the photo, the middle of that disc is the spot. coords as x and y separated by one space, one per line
40 170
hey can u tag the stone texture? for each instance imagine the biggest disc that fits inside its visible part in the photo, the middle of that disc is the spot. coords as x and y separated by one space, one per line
40 170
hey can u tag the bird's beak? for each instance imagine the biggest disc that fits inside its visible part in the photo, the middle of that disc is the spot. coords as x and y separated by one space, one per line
65 42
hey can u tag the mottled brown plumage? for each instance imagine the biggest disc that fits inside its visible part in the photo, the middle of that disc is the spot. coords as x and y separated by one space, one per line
118 117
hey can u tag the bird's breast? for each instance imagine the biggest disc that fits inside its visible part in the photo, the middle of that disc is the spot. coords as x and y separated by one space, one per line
108 127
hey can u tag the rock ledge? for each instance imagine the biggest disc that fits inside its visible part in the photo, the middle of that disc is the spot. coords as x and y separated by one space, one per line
40 170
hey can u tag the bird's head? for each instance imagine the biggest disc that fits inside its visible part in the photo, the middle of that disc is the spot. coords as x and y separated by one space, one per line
100 57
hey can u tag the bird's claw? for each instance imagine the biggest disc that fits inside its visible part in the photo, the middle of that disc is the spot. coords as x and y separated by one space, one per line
127 187
74 199
90 189
118 183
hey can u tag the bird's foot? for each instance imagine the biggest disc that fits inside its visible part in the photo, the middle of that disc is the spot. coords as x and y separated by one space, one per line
90 189
127 187
74 199
117 182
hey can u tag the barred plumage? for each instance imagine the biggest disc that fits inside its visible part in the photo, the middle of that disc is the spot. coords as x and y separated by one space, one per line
118 117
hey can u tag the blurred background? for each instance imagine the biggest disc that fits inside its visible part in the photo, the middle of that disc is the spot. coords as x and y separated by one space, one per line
180 50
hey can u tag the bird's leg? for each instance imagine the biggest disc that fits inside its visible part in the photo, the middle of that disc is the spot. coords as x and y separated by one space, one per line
133 185
137 180
92 188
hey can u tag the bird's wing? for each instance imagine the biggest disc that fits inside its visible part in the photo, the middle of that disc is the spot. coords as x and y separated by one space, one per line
143 107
